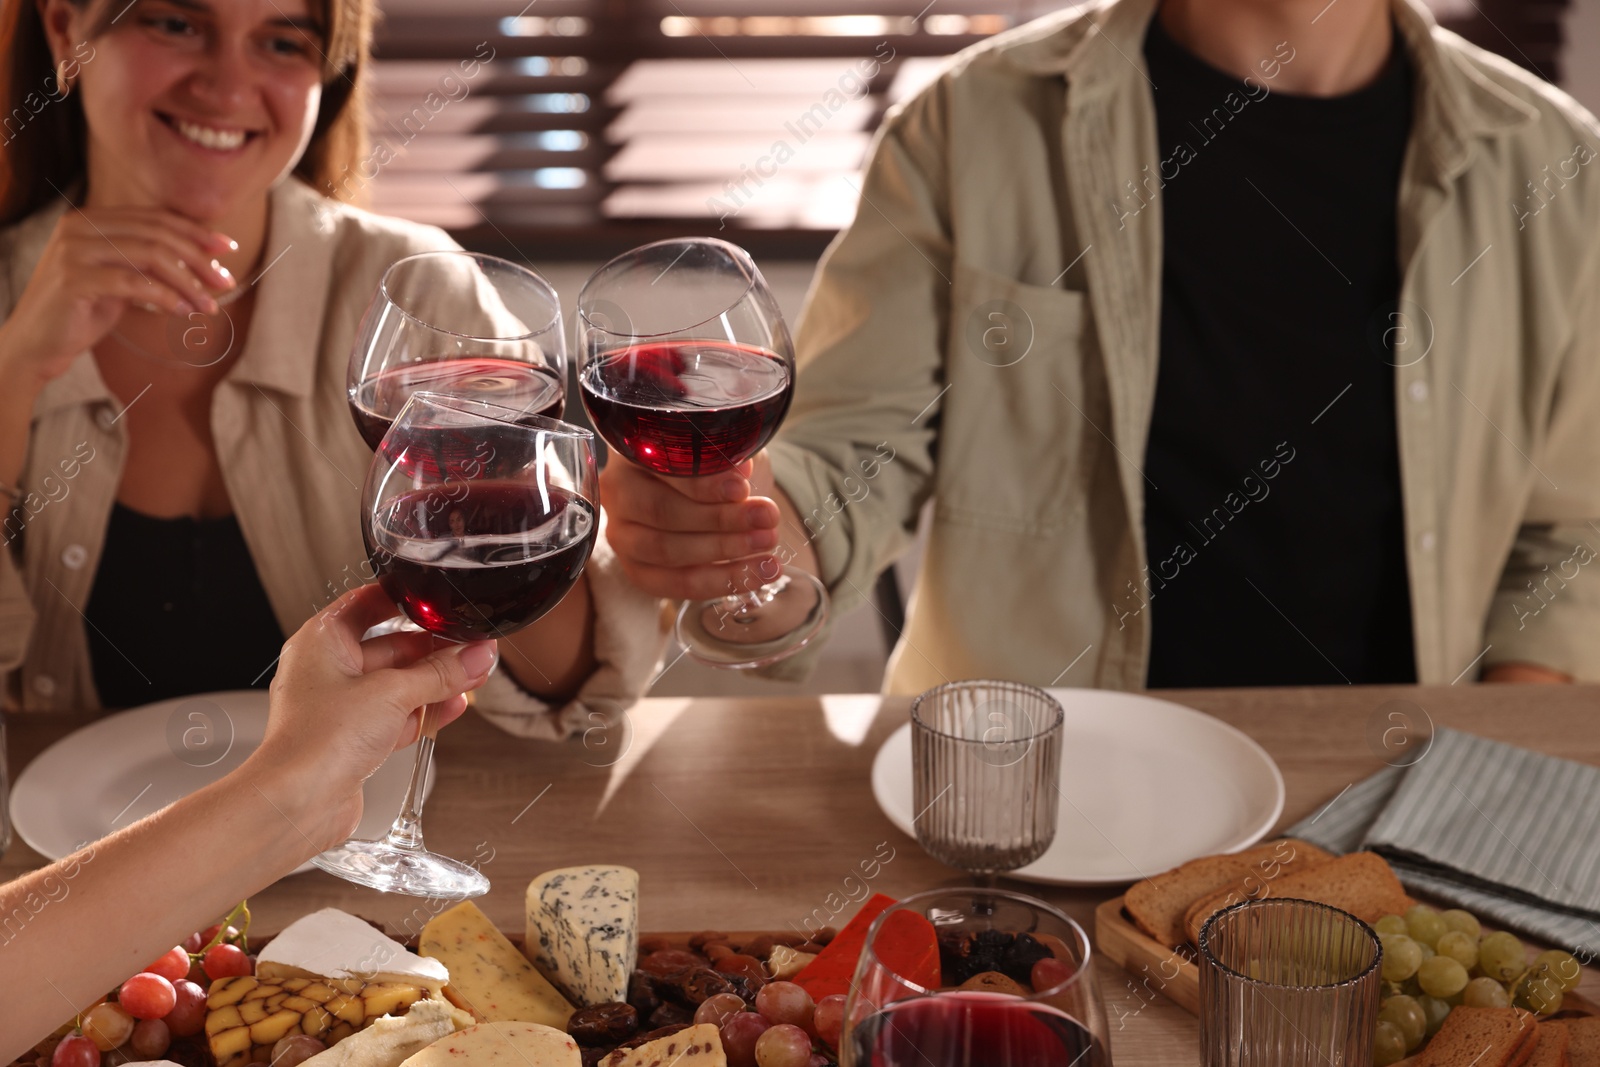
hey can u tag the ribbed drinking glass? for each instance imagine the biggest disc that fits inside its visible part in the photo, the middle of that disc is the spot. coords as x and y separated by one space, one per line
1287 983
986 768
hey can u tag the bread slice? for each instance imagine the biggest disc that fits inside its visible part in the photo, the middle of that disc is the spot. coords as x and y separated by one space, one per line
1482 1037
1157 905
1551 1050
1360 883
1583 1050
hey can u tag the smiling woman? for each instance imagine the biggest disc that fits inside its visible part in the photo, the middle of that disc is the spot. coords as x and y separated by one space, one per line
180 282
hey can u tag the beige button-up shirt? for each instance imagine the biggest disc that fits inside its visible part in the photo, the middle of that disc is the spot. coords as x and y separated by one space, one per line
986 335
290 456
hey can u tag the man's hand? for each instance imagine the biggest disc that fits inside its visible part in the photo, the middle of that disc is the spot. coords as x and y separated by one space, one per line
1525 672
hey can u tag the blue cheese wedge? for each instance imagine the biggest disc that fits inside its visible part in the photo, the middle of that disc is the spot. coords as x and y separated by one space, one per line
335 944
583 930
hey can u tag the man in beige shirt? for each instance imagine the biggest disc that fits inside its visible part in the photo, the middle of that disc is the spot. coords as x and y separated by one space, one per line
1022 197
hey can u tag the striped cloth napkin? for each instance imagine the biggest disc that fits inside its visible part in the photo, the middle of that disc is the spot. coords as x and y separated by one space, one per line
1511 835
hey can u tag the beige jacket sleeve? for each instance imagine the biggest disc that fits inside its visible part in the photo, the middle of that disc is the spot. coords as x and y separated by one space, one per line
630 635
1547 608
856 452
16 614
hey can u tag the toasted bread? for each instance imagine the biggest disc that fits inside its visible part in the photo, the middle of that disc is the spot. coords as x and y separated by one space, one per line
1551 1050
1583 1049
1360 883
1482 1037
1157 905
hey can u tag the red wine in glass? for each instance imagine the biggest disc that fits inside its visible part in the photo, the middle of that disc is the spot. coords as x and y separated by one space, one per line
530 388
684 408
472 559
973 1029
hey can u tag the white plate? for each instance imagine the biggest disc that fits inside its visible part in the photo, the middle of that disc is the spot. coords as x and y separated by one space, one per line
121 768
1145 785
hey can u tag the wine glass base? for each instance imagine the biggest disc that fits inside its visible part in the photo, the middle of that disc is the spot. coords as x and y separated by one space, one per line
384 867
748 639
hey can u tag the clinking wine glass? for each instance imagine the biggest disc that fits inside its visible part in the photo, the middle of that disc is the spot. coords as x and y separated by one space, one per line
477 519
686 368
462 324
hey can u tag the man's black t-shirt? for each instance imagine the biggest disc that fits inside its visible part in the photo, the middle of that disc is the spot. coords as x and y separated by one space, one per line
1275 536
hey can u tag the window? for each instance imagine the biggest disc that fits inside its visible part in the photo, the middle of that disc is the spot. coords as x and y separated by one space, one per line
581 127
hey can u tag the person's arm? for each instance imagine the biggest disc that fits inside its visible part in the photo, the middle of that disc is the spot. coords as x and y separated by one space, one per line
1544 620
552 658
338 709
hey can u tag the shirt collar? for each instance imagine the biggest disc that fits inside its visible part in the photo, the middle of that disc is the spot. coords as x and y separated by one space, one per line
1457 102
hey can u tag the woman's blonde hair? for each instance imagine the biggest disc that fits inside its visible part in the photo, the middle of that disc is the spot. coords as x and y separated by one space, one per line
43 136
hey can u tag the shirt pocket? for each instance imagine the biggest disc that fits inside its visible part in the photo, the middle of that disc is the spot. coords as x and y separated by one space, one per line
1022 419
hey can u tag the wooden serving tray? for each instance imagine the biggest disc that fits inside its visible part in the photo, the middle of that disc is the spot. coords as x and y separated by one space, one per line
1174 974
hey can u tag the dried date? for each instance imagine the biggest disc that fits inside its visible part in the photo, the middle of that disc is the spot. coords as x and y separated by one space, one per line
592 1057
671 1015
760 947
644 1039
642 995
671 961
653 943
698 942
603 1024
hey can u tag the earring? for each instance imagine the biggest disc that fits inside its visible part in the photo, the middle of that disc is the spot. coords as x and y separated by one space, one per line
63 84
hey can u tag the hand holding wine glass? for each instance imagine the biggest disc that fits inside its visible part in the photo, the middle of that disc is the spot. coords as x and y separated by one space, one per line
477 519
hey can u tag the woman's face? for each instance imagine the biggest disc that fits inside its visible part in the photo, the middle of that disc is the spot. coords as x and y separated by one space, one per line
198 106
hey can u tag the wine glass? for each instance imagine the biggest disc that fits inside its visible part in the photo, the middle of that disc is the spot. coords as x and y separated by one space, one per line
477 519
459 323
1011 984
686 368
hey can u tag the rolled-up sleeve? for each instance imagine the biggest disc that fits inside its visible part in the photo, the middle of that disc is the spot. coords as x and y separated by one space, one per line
630 636
856 453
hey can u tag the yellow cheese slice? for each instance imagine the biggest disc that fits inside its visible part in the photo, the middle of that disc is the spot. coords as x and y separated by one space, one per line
511 1044
698 1046
488 976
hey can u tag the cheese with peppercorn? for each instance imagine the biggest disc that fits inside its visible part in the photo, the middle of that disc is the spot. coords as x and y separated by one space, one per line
583 930
488 976
511 1044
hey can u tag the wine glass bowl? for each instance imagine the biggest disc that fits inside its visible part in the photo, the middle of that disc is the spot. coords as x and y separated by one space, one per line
686 368
1012 983
477 519
461 323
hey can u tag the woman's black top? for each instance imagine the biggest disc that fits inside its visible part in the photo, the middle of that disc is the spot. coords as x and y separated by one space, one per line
176 609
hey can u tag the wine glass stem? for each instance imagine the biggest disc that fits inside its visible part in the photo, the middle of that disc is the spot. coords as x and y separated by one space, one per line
406 833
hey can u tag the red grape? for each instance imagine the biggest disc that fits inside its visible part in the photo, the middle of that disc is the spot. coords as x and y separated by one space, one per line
211 931
828 1019
784 1045
75 1050
819 1060
173 964
1048 973
785 1002
107 1025
226 961
748 967
193 943
147 996
295 1049
151 1038
739 1036
717 1007
188 1016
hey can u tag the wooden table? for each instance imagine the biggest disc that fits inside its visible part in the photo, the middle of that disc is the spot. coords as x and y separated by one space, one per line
749 814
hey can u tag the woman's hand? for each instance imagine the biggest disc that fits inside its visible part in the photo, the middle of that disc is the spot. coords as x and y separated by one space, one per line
691 538
97 263
340 706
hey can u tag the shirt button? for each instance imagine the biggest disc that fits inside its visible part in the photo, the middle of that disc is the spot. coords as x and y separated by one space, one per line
74 556
44 685
106 418
1427 541
1418 390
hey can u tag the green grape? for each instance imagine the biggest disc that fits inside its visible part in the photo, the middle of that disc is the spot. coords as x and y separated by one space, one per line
1562 966
1388 1045
1425 924
1485 993
1501 957
1459 947
1391 924
1401 957
1442 977
1387 989
1428 951
1540 993
1406 1014
1435 1010
1463 922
